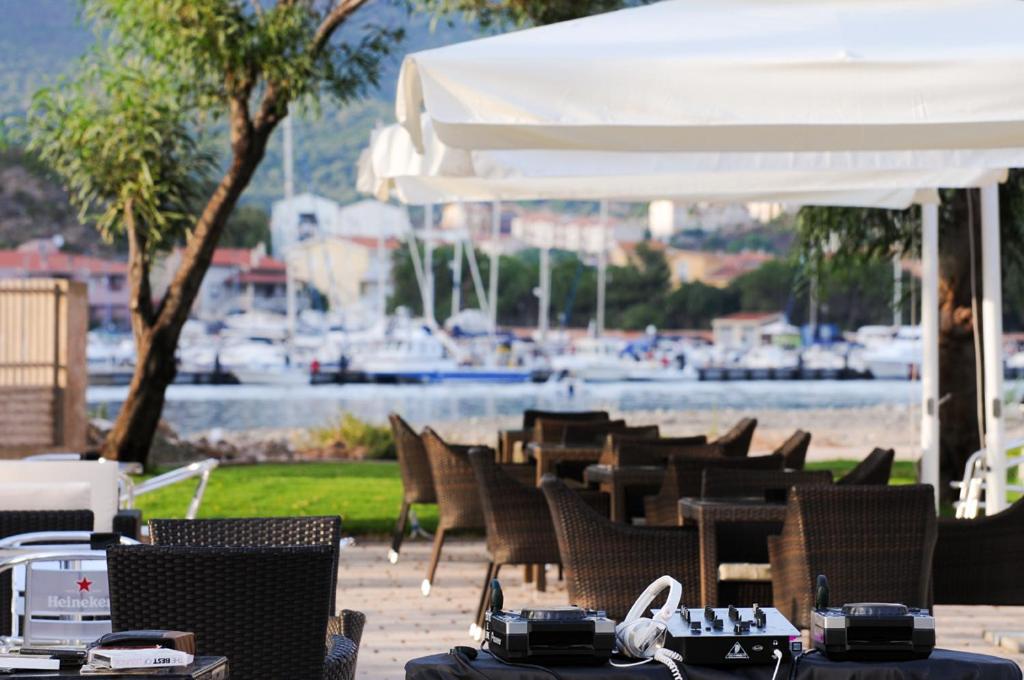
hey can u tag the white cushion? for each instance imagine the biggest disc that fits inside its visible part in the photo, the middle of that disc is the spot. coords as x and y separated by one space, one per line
45 496
99 477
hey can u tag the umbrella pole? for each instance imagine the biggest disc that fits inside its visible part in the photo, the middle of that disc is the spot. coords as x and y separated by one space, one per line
930 347
493 274
602 268
992 337
428 263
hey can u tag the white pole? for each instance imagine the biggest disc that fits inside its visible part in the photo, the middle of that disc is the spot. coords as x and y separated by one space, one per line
992 335
417 268
545 294
289 274
478 282
428 263
930 347
289 194
289 160
382 295
457 278
897 291
495 233
602 268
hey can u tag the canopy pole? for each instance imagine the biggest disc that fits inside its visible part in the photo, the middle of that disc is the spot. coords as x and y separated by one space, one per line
382 277
474 272
992 337
545 295
930 347
428 263
417 269
602 268
457 278
493 274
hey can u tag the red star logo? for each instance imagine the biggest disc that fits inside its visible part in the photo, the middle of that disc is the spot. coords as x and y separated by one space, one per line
83 585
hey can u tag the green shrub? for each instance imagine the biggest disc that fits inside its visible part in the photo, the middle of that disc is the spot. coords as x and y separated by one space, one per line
359 438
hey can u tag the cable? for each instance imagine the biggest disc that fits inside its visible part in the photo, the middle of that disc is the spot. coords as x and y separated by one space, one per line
519 664
975 320
778 662
671 660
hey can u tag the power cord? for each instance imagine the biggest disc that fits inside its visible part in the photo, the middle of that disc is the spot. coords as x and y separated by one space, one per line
778 662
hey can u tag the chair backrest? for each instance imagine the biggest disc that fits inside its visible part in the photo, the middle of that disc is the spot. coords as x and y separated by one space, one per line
531 416
14 522
874 470
736 442
874 544
594 434
622 450
607 564
519 529
46 481
551 431
458 497
250 532
717 482
794 449
686 474
265 609
417 480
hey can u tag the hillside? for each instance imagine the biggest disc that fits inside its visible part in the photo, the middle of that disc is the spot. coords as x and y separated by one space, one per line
40 39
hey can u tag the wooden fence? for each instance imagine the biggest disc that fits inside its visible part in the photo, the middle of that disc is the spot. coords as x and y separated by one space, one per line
43 372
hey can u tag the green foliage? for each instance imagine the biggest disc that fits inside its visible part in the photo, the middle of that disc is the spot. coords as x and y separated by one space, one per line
524 12
367 440
248 226
695 304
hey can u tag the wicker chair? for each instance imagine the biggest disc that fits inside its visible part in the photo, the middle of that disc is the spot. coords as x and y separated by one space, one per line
507 439
247 604
583 434
977 561
519 529
719 482
736 442
622 450
874 544
551 431
251 532
683 478
14 522
794 449
607 565
458 496
873 470
417 480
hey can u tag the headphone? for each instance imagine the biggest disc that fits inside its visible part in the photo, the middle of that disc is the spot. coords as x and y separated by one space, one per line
640 637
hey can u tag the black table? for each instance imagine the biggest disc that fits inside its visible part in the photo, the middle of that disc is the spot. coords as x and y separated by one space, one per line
204 668
942 665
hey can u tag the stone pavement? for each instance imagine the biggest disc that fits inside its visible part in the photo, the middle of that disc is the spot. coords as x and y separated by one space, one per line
402 624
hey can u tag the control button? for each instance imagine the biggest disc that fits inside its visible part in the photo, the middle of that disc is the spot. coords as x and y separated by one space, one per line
734 614
709 613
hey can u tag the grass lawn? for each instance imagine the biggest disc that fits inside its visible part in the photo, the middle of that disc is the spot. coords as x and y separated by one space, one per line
367 495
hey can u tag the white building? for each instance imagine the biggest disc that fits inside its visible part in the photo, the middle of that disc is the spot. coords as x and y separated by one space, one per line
307 217
579 233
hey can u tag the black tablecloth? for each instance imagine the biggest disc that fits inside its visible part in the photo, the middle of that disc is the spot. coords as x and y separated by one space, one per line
204 668
942 665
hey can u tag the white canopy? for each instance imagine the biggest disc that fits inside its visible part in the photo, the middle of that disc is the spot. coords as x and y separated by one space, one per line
391 165
740 75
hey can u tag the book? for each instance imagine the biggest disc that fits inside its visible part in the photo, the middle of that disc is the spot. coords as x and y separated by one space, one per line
116 658
28 662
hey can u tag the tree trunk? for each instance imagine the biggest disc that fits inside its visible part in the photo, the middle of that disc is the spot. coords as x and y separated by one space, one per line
959 429
157 331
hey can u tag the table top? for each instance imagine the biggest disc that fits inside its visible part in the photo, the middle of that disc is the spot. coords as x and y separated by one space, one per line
732 509
204 668
942 665
637 474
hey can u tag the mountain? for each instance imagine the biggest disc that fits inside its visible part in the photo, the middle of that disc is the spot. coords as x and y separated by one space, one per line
40 39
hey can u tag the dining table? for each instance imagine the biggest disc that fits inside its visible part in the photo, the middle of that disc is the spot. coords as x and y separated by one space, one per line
619 481
709 515
548 456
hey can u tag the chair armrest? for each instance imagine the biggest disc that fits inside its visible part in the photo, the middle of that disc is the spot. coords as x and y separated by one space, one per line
340 662
129 523
349 623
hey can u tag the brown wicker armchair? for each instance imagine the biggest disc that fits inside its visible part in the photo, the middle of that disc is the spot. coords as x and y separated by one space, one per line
874 544
736 442
683 478
620 449
873 470
719 482
794 449
458 496
977 561
607 565
417 480
550 431
519 529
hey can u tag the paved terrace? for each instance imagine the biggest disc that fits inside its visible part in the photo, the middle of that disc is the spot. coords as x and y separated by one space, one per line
402 624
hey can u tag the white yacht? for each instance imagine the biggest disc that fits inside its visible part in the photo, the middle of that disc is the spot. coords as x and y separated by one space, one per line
897 359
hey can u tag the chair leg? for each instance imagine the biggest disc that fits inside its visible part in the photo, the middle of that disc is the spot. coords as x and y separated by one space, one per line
396 539
542 578
477 629
434 558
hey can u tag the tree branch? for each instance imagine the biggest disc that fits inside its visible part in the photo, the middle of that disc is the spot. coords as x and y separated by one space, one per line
141 303
337 16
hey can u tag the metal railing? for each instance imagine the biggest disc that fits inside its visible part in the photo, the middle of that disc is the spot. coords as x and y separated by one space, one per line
201 469
972 486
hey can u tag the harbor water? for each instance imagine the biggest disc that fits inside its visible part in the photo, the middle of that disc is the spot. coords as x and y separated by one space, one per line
191 409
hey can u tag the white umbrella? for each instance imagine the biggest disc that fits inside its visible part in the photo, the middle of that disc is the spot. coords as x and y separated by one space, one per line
718 75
